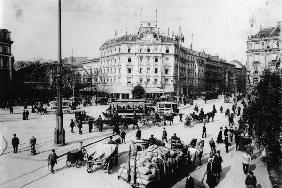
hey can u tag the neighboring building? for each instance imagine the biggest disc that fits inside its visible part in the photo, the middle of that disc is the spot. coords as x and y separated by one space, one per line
219 74
160 65
91 71
6 62
263 50
241 76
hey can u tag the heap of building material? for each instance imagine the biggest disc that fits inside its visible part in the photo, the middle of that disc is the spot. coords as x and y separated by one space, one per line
152 164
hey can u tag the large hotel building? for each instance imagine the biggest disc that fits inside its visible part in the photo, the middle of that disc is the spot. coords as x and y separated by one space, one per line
263 51
160 64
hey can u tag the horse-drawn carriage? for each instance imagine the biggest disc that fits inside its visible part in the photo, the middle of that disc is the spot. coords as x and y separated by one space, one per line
103 156
228 98
76 157
80 115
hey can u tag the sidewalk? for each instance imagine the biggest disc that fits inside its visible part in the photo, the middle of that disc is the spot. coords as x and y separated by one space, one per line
232 175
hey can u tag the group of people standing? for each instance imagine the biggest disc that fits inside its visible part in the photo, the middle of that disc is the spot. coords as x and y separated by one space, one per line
214 169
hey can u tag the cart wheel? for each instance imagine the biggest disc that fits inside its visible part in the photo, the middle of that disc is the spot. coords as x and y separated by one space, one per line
78 164
89 170
68 163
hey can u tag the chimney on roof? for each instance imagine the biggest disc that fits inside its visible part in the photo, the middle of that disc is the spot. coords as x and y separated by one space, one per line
279 24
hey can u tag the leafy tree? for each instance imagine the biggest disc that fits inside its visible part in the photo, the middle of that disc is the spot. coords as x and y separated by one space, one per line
264 112
138 92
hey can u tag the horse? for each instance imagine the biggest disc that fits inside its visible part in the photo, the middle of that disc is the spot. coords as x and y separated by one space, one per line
106 115
169 118
41 110
196 117
210 115
195 152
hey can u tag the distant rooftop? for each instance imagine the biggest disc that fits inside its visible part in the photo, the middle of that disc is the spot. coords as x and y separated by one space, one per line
268 32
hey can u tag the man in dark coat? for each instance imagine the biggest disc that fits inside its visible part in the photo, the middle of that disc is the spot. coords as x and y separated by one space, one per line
90 125
100 123
201 114
204 134
239 110
211 178
52 160
79 126
24 115
219 137
138 134
27 114
164 136
251 180
32 145
226 143
122 135
217 164
212 145
72 125
152 140
221 109
225 132
190 183
237 139
15 143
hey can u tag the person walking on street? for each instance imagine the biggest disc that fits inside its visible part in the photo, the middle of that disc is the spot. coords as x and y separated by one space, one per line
251 180
72 125
231 133
221 109
100 123
11 110
204 134
90 125
217 163
239 110
15 143
79 126
111 140
122 135
211 178
125 124
135 123
52 160
164 136
246 162
212 145
237 139
180 117
27 114
190 182
219 137
32 145
226 143
24 115
225 132
138 134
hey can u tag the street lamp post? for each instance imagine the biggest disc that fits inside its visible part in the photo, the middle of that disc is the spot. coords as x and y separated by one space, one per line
59 133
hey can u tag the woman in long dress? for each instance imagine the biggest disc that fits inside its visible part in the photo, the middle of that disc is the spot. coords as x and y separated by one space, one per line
219 137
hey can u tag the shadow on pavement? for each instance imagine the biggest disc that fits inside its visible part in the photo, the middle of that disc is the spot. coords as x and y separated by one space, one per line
224 171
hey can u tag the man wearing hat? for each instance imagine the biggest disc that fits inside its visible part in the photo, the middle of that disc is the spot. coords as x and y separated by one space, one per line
251 180
52 160
15 143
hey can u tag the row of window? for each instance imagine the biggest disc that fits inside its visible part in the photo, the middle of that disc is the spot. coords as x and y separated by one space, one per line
147 49
5 49
263 45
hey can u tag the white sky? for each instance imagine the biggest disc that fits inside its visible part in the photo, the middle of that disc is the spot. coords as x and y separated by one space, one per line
220 27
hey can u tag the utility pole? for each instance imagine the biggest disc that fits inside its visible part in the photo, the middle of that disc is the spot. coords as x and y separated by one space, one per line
59 133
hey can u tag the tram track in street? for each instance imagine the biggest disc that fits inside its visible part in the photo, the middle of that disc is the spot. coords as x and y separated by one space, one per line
27 148
60 157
